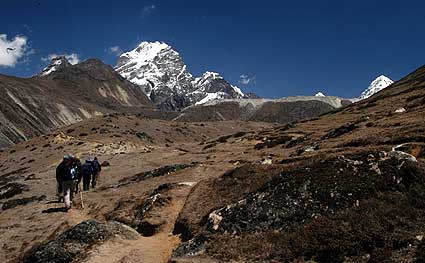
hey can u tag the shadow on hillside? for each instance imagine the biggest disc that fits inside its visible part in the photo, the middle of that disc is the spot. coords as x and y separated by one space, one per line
55 210
54 202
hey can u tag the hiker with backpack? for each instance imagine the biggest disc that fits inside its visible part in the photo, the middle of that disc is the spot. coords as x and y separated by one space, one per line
70 180
97 168
60 173
88 172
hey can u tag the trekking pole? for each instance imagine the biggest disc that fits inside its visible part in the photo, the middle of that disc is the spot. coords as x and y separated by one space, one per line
81 196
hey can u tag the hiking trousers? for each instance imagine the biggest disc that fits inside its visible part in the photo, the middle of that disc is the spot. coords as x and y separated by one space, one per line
94 180
68 188
59 192
86 183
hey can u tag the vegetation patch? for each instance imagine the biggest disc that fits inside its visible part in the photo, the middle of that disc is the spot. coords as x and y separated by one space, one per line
11 189
22 201
144 136
165 170
340 131
138 212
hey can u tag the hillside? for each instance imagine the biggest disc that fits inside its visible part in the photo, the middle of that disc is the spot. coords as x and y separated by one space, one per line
33 106
345 186
282 110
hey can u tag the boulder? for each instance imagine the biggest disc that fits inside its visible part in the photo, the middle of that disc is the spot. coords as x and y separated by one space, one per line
74 243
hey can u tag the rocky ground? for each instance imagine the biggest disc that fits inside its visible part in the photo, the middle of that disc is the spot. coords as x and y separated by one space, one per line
347 186
153 165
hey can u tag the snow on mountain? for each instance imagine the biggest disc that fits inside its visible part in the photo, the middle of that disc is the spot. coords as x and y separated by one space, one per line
319 94
212 97
377 85
162 74
156 67
212 86
56 64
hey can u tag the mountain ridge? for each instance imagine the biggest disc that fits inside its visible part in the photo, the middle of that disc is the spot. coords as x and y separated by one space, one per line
68 94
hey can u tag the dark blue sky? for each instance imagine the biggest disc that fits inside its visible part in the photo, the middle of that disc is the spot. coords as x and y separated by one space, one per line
290 47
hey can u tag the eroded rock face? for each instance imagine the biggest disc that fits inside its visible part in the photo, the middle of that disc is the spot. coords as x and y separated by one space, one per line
298 196
313 212
74 243
193 247
11 189
141 213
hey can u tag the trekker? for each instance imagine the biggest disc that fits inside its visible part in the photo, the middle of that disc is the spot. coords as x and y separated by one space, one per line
87 170
70 180
60 173
96 172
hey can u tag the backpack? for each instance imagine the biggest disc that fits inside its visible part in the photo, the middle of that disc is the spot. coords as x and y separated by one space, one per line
96 166
87 169
71 172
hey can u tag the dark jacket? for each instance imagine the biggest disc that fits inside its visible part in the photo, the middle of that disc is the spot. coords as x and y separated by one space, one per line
96 166
61 171
87 169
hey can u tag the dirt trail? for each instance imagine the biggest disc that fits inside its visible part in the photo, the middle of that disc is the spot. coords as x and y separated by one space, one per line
153 249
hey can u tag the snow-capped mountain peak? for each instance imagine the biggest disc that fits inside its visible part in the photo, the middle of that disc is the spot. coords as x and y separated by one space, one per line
210 74
216 87
157 69
319 94
142 54
162 74
206 77
375 86
56 64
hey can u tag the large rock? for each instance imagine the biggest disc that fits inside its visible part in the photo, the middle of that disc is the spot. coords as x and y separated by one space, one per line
74 243
143 213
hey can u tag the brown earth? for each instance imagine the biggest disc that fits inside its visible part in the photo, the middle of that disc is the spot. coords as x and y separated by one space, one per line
368 127
131 145
229 162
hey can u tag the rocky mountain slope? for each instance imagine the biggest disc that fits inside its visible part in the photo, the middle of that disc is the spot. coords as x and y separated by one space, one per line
282 110
343 187
61 95
340 188
162 74
57 63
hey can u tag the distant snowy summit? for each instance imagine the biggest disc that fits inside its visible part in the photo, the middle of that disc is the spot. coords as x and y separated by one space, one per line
162 74
56 64
375 86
